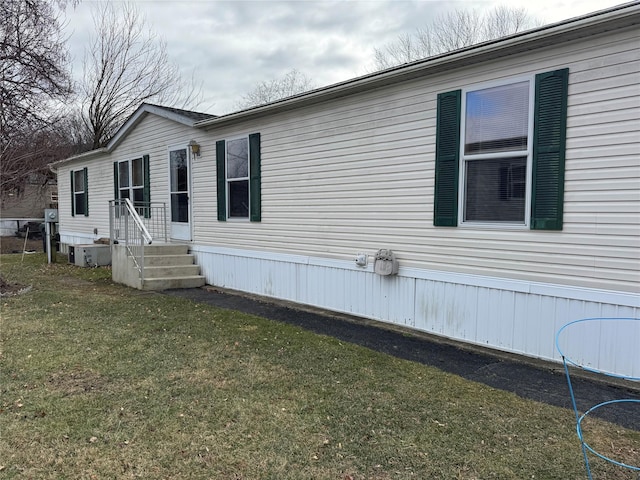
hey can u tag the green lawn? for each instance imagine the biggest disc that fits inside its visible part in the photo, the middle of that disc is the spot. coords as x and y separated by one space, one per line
101 381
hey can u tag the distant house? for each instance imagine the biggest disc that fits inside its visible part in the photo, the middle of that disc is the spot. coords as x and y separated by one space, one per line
504 177
19 207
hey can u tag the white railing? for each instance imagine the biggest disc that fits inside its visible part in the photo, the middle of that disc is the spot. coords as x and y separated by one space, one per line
135 226
144 233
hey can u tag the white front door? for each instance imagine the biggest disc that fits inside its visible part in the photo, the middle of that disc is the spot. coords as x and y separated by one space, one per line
179 193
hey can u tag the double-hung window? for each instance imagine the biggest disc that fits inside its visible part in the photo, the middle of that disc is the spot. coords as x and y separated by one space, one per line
238 178
79 192
131 180
237 181
500 153
496 153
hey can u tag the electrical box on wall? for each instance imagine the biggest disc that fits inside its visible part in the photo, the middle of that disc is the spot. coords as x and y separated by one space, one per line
361 260
51 215
385 263
90 255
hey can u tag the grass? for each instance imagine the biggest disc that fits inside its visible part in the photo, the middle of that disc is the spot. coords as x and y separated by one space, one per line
101 381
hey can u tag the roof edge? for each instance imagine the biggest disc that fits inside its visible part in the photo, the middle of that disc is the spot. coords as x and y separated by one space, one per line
81 156
624 15
134 119
137 116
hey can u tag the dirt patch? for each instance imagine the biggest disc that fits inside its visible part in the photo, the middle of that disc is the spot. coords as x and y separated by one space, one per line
76 382
17 245
8 289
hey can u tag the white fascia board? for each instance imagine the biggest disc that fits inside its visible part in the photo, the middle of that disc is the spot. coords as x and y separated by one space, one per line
139 114
123 131
621 16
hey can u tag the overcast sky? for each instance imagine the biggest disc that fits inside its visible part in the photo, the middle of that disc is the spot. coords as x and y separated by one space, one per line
234 45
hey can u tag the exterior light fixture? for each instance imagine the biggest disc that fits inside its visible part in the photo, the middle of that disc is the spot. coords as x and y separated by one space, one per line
195 148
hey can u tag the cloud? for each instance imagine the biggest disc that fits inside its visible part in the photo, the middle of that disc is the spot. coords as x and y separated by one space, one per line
234 45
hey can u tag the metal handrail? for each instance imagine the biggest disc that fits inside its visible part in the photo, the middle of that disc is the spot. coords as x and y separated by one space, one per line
129 228
138 221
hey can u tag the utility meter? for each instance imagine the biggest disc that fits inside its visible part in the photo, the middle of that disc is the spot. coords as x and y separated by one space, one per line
51 215
385 263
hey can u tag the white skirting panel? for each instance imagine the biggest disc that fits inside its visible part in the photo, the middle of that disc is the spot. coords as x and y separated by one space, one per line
509 315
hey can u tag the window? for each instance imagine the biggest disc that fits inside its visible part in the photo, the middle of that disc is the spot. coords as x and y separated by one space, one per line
238 178
131 180
500 154
237 168
79 193
495 153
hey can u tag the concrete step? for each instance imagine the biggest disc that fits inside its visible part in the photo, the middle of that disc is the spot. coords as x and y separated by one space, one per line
166 266
173 282
163 260
167 271
166 249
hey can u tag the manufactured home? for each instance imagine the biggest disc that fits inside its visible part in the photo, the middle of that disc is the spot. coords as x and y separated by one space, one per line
488 195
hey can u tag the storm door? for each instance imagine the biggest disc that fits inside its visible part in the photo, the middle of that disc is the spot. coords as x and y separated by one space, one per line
179 193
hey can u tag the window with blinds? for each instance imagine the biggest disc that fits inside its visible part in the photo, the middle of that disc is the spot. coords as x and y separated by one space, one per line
500 153
495 153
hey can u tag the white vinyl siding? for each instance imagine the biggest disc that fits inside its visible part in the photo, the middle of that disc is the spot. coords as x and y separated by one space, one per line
98 169
356 174
152 136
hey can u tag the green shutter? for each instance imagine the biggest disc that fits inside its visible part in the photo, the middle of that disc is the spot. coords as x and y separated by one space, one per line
86 191
255 207
116 184
146 191
445 210
221 181
549 139
73 197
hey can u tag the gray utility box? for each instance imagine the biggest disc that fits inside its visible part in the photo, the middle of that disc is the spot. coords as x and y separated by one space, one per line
90 255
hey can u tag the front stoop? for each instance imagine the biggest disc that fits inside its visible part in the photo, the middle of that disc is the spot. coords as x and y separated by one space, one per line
165 266
170 266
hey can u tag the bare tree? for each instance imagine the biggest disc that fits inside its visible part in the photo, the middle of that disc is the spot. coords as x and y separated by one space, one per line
290 84
73 130
34 79
29 162
125 65
407 48
451 31
503 21
457 29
